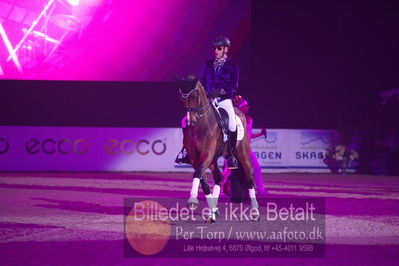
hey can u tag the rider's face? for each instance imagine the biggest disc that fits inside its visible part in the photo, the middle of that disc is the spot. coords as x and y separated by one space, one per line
218 51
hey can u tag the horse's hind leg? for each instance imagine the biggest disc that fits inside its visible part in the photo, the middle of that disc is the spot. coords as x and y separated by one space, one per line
251 190
245 163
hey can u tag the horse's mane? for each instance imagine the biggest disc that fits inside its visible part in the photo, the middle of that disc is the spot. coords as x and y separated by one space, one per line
200 87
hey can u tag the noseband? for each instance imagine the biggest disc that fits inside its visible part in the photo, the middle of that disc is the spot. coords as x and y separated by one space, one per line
197 109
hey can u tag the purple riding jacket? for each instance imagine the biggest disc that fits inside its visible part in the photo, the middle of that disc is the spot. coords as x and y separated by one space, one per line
226 78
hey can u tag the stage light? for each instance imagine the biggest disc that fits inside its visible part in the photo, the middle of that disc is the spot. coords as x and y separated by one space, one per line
73 2
12 52
34 23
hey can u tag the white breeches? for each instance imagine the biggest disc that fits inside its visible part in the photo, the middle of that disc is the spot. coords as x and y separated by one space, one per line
227 105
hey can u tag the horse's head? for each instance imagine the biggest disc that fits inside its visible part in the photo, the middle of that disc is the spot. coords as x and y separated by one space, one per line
191 92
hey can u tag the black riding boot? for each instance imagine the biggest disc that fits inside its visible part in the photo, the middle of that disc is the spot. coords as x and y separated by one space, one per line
182 157
232 140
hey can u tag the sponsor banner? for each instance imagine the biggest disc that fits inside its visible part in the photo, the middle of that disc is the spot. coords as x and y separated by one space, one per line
147 149
309 149
294 150
86 149
271 150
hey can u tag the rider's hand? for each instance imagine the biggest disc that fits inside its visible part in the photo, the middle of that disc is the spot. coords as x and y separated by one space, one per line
213 94
263 132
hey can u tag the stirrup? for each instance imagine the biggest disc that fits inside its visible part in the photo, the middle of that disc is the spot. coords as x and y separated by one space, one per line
232 162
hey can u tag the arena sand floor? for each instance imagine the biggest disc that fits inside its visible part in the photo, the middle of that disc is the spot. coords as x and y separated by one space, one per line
77 218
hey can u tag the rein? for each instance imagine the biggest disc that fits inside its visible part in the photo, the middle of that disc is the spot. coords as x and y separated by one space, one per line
197 109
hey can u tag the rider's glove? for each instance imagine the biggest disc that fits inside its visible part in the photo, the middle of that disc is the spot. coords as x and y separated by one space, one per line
216 93
213 94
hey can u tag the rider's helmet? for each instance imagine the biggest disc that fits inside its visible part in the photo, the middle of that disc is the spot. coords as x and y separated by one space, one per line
221 41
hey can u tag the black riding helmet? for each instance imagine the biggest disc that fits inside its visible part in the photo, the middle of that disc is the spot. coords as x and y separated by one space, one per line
221 41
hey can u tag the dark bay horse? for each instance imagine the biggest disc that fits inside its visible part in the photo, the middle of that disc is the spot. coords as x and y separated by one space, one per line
203 140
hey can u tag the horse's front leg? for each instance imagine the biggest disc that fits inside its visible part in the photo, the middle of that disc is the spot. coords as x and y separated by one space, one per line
212 203
193 200
218 177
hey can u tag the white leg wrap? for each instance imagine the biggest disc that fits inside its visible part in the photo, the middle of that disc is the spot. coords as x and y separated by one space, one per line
216 191
194 188
252 193
254 202
211 201
212 205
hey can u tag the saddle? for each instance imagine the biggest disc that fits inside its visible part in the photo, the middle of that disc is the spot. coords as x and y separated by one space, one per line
223 121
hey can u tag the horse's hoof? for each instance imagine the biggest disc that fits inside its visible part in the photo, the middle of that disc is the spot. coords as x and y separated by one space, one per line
255 217
210 221
192 203
212 218
192 206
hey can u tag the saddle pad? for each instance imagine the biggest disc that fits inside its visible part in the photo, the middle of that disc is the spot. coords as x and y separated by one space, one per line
240 128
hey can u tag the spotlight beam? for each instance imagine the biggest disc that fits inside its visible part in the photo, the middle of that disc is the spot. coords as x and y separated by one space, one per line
34 23
73 2
43 36
13 55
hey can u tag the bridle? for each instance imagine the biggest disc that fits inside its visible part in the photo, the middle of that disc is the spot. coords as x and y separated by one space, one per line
199 111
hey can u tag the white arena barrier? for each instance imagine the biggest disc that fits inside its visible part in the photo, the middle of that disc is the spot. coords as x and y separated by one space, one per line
25 148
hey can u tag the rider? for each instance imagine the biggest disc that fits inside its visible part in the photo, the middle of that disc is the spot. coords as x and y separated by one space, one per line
220 76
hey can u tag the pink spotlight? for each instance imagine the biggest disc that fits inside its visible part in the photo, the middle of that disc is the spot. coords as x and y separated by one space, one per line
73 2
12 52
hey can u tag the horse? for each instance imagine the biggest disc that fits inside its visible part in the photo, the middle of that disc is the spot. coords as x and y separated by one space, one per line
203 140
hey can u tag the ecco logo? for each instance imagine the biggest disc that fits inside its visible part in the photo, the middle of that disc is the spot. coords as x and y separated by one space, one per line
50 146
4 146
128 146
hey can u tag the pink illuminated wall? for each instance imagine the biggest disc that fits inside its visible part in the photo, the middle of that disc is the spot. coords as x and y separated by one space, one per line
134 40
